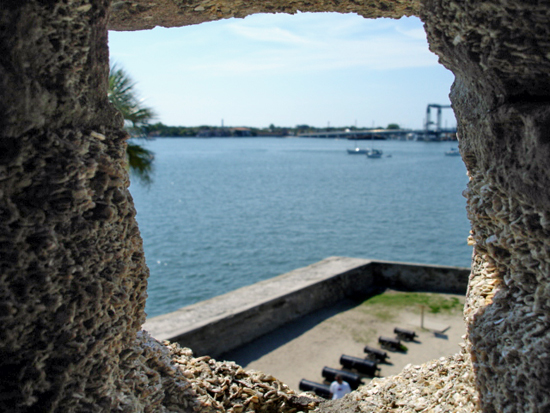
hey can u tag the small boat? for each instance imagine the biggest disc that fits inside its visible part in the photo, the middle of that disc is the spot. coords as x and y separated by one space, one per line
452 152
374 153
358 151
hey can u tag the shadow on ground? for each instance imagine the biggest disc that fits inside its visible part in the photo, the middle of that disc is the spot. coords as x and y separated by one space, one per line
277 338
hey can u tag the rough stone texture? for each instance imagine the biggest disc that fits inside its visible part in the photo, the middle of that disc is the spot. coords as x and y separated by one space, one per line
53 68
499 52
73 278
146 14
444 385
225 386
150 381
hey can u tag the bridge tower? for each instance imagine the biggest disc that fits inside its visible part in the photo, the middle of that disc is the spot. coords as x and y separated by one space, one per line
429 122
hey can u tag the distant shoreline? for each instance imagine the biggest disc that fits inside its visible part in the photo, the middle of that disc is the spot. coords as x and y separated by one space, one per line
392 131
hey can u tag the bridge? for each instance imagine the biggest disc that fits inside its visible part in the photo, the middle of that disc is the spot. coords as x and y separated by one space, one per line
432 130
383 134
374 134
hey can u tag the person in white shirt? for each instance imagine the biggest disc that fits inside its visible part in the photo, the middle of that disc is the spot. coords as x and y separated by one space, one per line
339 388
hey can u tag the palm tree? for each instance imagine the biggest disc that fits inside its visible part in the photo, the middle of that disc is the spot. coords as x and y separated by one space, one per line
122 95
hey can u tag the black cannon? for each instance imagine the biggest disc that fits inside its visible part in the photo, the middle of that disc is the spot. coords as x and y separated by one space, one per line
363 366
390 343
354 380
321 390
374 353
407 335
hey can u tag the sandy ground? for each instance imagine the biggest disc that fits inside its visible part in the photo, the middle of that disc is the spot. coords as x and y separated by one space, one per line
301 349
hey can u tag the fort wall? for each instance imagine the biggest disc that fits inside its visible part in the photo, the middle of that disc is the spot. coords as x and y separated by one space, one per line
224 323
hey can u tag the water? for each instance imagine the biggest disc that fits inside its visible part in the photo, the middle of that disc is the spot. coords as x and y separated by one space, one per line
225 213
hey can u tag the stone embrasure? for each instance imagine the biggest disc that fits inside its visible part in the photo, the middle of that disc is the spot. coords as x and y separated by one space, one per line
73 275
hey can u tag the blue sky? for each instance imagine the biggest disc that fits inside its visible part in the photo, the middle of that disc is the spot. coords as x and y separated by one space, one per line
316 69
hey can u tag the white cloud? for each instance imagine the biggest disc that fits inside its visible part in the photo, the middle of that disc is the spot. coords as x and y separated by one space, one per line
268 34
377 53
266 44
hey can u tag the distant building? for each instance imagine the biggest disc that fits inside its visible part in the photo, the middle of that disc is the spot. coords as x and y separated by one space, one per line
240 132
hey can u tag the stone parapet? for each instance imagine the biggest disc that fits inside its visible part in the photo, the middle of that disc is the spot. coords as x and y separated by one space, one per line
226 322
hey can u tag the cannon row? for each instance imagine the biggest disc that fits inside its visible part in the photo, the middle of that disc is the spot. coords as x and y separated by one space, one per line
395 343
364 367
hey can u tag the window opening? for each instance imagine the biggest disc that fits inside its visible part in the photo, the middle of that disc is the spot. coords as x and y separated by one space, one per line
223 213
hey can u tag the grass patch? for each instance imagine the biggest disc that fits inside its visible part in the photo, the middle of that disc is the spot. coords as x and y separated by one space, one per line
383 314
384 306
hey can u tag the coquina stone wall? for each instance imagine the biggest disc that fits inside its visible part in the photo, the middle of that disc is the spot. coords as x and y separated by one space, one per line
500 54
73 277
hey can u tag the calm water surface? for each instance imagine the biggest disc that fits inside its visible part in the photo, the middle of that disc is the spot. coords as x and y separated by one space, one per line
225 213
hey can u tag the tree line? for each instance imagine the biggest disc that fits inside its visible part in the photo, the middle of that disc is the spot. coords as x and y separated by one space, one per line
161 130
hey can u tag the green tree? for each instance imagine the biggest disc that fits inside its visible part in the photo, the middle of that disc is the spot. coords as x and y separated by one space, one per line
123 96
393 126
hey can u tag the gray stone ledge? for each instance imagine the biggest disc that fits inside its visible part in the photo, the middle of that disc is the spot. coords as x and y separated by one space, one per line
228 321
